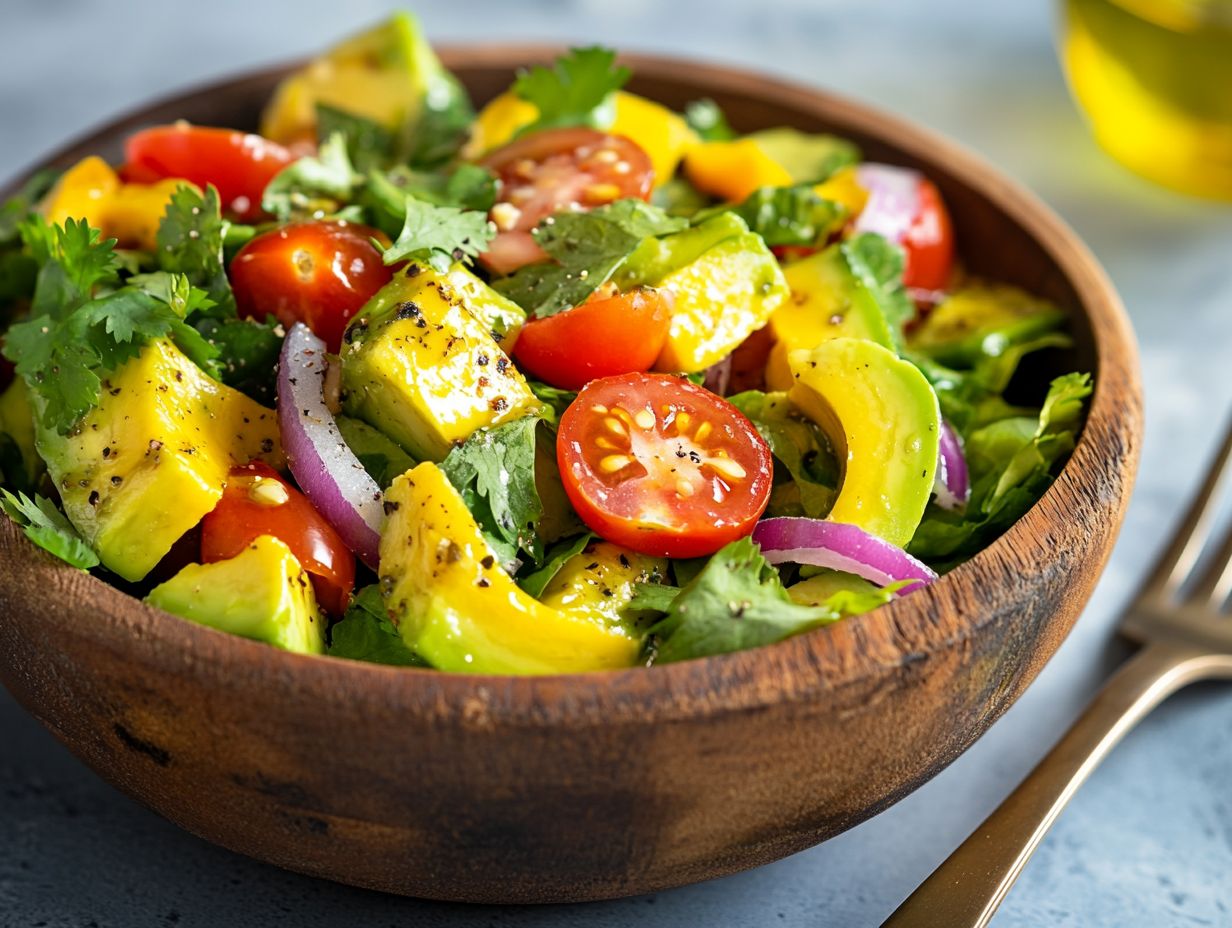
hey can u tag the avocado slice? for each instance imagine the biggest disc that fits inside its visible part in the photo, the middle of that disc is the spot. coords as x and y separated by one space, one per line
419 364
152 457
20 465
983 320
827 301
454 604
599 581
884 421
262 593
388 74
725 283
380 455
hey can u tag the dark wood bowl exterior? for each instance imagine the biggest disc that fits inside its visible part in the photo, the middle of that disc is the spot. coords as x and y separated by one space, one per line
493 789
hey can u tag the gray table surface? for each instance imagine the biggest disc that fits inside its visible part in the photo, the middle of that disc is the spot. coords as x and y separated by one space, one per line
1147 843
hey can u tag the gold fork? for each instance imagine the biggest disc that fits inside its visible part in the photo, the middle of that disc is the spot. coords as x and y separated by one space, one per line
1180 617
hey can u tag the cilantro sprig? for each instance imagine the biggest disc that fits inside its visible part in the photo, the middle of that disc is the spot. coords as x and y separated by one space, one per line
587 248
84 322
49 528
577 90
440 235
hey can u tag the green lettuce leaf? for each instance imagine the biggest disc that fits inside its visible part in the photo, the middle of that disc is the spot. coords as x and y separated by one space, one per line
366 633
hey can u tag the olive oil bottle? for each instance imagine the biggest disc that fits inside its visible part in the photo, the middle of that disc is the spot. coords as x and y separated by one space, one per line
1154 78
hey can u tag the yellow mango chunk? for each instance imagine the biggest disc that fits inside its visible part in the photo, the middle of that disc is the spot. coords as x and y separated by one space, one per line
843 187
151 459
456 606
129 213
733 170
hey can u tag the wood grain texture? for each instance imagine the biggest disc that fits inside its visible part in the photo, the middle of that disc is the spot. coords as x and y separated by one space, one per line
494 789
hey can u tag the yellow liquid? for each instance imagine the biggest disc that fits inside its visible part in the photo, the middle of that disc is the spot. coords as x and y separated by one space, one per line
1154 78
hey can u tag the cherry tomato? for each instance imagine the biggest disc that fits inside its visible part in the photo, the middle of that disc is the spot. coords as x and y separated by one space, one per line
929 242
604 336
554 170
318 273
662 466
256 502
239 164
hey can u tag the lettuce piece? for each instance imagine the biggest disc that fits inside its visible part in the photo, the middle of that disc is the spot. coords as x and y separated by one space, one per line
1011 462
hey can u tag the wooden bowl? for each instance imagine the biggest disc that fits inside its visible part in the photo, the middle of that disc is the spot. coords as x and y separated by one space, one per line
501 789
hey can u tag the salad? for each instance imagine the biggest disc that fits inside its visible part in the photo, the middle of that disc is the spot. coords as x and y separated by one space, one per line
574 382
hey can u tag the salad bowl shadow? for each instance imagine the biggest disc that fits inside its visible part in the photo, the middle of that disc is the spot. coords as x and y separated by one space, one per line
581 787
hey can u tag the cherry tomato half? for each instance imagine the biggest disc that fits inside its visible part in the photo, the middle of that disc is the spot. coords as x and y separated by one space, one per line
317 273
554 170
662 466
929 242
604 336
239 164
256 502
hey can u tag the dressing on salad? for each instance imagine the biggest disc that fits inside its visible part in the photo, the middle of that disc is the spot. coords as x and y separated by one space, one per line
574 382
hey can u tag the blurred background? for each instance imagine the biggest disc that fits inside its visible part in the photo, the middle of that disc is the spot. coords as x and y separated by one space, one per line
1149 841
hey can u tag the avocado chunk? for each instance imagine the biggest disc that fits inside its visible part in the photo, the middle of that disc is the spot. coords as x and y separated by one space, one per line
827 301
419 366
20 465
808 157
380 455
388 74
598 583
145 465
725 284
262 593
883 420
454 604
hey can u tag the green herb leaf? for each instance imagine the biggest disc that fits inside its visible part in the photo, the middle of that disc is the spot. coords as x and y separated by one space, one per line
736 602
575 91
22 204
1010 462
878 264
706 118
368 144
494 471
588 249
190 242
365 633
811 478
443 127
554 559
439 235
49 528
310 186
554 398
786 215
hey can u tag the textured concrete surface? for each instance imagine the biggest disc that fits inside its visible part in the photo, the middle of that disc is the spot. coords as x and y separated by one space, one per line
1147 843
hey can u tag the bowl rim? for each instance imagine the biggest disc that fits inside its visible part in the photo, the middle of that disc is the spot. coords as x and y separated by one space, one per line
841 655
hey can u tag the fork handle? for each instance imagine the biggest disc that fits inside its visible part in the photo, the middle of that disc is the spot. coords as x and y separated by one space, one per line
965 891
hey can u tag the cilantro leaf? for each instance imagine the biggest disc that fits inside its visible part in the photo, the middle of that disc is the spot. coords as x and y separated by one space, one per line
469 186
588 249
706 118
810 481
535 582
556 400
368 143
316 185
878 264
575 91
365 633
190 242
49 528
443 127
439 235
494 471
21 204
736 602
786 215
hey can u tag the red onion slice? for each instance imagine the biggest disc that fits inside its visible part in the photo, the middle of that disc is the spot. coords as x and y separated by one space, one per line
951 485
718 376
324 466
839 546
893 199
